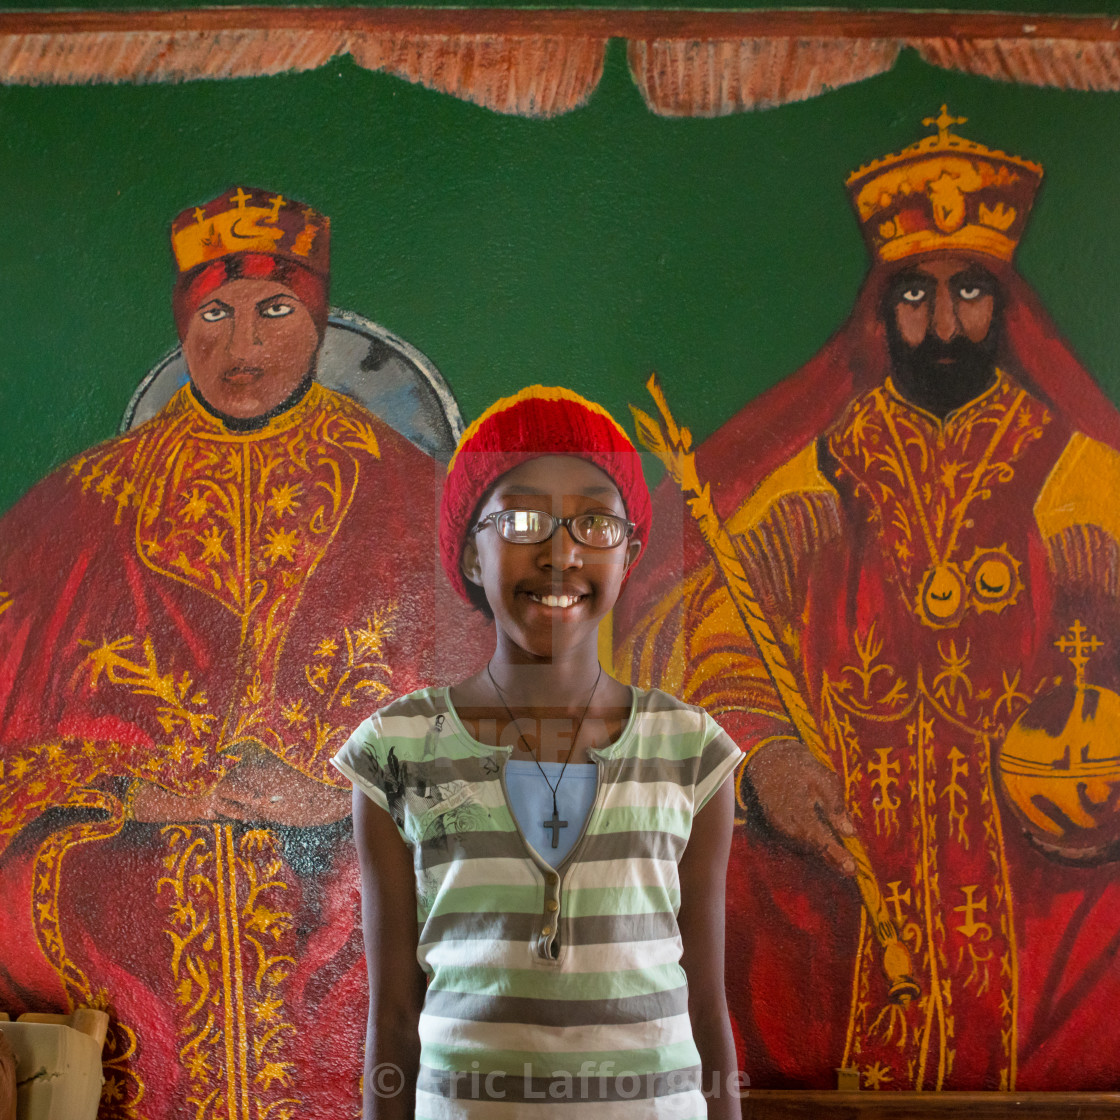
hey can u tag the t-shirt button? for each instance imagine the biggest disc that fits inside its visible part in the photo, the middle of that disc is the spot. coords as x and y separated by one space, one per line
551 904
546 930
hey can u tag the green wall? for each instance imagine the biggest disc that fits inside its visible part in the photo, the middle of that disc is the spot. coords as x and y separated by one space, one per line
586 250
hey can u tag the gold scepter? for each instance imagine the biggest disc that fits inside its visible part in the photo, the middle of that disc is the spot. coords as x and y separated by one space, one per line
673 446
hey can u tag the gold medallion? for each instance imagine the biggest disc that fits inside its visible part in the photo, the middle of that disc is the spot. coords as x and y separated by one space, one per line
993 579
941 597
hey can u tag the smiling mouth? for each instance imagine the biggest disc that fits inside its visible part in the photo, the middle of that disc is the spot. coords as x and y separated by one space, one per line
242 374
561 601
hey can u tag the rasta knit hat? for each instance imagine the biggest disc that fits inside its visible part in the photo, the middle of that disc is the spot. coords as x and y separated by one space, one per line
536 421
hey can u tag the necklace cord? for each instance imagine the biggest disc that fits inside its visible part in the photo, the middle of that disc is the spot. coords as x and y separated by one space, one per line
575 737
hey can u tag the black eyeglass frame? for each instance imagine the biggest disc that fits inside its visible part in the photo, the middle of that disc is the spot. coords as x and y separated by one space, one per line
557 523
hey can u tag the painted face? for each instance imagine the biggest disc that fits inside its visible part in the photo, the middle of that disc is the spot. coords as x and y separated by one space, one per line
249 345
548 598
942 327
945 299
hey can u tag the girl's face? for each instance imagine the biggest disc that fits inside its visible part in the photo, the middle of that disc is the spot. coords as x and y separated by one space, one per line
548 598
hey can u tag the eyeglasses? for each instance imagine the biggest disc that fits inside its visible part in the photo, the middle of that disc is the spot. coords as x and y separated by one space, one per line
534 526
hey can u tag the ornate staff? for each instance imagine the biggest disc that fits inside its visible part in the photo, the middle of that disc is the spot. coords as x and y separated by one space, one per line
673 446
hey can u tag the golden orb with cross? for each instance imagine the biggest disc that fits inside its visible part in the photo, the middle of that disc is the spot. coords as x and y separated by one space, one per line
1059 766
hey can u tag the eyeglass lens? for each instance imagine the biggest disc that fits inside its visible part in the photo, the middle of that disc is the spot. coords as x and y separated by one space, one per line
531 526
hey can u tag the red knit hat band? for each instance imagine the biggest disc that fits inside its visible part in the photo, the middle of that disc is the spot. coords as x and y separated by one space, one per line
536 421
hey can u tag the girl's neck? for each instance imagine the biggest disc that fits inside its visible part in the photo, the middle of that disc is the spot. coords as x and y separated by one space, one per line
536 716
529 682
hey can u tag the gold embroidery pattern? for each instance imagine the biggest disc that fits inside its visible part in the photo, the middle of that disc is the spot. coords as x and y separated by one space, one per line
39 777
884 773
292 494
861 695
187 762
194 759
916 754
923 476
954 676
920 735
47 877
247 521
365 651
123 1089
949 901
1008 979
844 742
340 672
228 930
181 700
100 473
5 600
955 796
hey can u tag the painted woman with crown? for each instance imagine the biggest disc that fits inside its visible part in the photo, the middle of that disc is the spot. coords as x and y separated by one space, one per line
926 514
194 615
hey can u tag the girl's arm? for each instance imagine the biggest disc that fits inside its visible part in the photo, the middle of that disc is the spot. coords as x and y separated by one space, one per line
396 982
703 877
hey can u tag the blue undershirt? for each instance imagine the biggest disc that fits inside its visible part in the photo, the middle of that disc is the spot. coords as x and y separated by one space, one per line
531 801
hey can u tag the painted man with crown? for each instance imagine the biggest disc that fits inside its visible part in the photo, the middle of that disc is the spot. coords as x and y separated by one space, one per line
196 614
926 513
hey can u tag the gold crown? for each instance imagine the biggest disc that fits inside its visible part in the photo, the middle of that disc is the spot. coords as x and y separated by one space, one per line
944 192
246 220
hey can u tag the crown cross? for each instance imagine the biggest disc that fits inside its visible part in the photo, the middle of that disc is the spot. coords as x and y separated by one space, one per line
199 215
241 198
943 122
1078 643
277 201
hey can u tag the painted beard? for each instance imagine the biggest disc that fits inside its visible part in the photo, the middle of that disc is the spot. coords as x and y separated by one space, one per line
938 376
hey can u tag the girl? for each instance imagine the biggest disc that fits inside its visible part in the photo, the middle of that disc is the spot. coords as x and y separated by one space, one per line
548 844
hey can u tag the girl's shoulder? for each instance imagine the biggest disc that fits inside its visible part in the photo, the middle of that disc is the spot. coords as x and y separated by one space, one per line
408 718
402 743
679 727
664 713
423 704
669 729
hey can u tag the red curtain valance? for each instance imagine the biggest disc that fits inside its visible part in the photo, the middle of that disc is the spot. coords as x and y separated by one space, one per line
543 63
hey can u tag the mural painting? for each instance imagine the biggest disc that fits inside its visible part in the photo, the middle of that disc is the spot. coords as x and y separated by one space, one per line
906 611
910 627
245 572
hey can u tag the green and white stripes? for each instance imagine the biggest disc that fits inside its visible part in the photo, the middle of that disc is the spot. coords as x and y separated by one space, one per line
548 988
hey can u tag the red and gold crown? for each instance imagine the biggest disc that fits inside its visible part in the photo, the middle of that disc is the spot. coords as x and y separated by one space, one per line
944 192
248 220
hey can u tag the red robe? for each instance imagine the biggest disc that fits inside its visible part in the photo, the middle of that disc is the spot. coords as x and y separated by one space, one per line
918 574
168 599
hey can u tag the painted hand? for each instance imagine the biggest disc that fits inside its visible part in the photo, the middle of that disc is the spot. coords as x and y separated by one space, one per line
802 800
262 788
156 805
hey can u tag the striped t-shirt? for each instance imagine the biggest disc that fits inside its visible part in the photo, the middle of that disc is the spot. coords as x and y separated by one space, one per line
548 987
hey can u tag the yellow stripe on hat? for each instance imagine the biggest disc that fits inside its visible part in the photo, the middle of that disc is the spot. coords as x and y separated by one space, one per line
535 393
